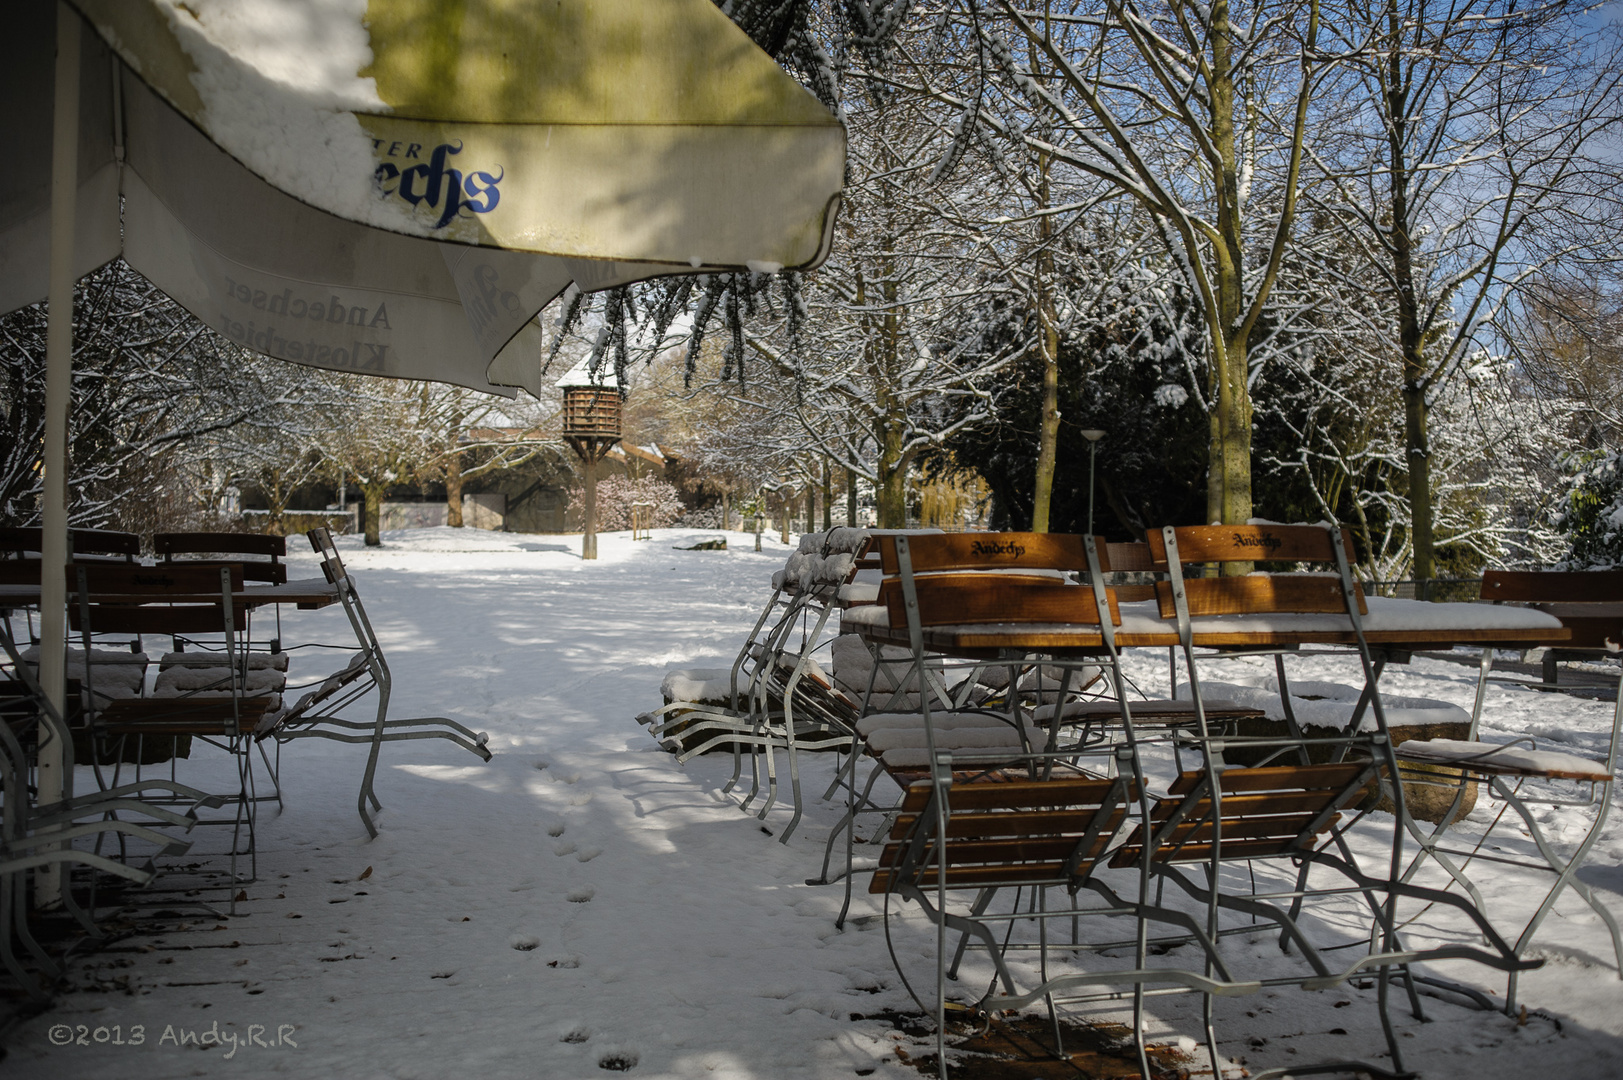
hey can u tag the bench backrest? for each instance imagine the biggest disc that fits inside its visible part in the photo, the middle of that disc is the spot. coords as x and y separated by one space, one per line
968 578
168 545
943 552
965 599
16 540
1554 586
116 599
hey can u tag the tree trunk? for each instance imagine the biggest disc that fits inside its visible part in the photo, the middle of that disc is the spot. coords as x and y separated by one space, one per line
1418 443
1229 483
891 491
828 496
588 539
453 490
1048 337
851 497
373 513
811 508
786 510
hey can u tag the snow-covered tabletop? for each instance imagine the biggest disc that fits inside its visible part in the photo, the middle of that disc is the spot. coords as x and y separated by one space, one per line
1391 622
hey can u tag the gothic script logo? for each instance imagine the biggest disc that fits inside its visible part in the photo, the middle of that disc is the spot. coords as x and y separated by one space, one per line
431 184
1267 541
997 547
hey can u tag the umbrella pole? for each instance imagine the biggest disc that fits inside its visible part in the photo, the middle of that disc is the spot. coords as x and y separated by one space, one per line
58 378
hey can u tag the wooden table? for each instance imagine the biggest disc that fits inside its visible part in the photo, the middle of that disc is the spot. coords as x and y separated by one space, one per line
308 594
1392 626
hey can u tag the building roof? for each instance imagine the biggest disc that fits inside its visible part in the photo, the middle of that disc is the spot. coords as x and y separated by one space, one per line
581 375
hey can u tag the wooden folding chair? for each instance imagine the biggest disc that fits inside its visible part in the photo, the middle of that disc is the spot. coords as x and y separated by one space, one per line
34 835
934 580
1521 775
1282 806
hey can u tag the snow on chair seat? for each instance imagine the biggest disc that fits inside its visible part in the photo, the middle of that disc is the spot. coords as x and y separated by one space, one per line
177 681
254 661
117 672
1506 760
710 686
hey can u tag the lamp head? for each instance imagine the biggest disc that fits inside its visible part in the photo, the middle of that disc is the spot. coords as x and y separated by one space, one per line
1093 435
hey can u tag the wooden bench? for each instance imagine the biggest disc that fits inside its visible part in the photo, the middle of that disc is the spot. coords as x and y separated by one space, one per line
1588 602
267 567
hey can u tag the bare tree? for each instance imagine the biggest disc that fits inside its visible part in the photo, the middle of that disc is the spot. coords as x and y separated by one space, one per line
1197 112
1469 161
162 408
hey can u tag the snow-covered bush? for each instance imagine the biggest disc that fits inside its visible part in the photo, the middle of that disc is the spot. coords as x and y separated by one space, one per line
708 518
615 494
1591 513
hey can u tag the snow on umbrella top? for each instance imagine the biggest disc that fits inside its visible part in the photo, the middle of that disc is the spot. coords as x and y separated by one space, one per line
293 169
603 129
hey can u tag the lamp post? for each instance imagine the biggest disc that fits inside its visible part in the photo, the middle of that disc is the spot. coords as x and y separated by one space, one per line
1093 435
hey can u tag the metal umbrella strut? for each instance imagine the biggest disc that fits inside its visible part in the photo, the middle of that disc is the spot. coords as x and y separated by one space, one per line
396 187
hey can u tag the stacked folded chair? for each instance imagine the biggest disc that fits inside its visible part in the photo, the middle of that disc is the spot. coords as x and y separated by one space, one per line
776 697
314 715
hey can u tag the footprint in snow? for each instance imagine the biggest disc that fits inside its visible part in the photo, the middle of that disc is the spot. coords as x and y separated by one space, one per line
563 847
576 1035
588 854
525 943
619 1059
556 829
581 896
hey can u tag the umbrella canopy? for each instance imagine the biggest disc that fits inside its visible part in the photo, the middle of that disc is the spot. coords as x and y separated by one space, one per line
398 188
393 187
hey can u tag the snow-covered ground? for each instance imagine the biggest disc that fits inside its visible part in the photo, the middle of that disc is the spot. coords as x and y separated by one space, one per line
582 903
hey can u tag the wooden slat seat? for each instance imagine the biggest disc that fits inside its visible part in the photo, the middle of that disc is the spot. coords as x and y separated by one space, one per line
181 716
1011 833
1267 811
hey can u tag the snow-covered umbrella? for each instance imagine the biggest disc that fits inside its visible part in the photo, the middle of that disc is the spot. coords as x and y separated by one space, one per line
393 187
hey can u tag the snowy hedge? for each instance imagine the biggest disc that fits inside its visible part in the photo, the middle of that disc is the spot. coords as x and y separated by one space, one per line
615 494
1591 512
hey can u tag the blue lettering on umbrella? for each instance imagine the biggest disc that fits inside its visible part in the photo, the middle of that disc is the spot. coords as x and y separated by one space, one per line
445 190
